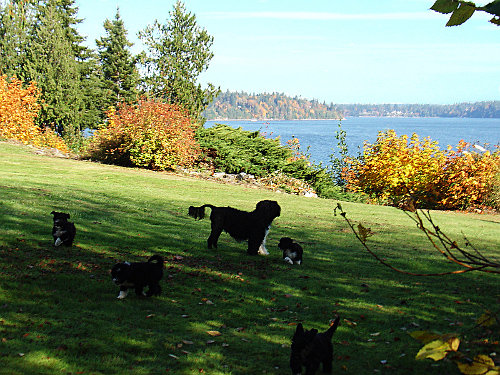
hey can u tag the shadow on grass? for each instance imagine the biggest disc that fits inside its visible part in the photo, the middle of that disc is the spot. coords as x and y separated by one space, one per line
59 313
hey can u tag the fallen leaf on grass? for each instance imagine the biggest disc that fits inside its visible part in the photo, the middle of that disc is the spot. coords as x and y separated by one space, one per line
187 342
214 333
353 324
487 319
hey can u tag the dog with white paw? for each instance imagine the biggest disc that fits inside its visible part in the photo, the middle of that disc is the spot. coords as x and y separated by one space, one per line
138 275
252 226
63 231
292 251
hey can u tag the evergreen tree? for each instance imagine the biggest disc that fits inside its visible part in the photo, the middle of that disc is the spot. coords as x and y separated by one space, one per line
93 93
16 21
177 52
64 70
54 67
120 74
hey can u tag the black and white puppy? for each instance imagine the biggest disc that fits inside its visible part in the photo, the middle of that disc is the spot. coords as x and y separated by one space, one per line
63 231
139 275
292 251
241 225
310 349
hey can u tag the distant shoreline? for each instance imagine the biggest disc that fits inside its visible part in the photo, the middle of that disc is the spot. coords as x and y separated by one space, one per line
345 118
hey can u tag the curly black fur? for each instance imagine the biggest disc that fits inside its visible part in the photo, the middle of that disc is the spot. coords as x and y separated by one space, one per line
310 349
241 225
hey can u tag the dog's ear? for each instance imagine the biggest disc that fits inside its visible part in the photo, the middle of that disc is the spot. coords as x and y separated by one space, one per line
67 216
53 213
299 330
196 212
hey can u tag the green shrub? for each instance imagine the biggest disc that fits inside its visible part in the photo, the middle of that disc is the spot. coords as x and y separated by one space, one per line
236 150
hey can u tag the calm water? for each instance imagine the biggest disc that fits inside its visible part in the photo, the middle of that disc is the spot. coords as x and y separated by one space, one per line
319 135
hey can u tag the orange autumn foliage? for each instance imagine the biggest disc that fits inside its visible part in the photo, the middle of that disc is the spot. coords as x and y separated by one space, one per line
395 168
150 134
19 106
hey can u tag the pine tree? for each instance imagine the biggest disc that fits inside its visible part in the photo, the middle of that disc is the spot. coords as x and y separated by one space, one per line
55 69
16 21
64 70
177 53
120 74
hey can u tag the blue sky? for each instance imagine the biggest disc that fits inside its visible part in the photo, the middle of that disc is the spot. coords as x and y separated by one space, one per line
359 51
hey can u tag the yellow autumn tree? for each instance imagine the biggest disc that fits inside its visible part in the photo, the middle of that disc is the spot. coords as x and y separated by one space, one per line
396 168
19 106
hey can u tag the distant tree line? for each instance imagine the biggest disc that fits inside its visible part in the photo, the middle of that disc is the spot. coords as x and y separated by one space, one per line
241 105
489 109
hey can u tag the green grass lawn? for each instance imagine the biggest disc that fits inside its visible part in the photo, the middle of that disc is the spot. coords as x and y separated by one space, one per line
58 308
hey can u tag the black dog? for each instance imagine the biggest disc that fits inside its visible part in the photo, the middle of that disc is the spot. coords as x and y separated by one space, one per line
292 251
139 275
241 225
310 349
63 231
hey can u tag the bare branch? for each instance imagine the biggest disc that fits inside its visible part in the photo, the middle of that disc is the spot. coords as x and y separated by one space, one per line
445 246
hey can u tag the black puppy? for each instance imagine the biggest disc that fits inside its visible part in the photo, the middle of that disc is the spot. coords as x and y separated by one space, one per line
139 275
292 251
63 231
241 225
310 349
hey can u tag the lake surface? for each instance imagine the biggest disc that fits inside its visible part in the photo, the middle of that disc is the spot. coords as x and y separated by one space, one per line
319 135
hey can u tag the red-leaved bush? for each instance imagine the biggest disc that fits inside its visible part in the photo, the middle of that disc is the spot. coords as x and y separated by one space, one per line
149 134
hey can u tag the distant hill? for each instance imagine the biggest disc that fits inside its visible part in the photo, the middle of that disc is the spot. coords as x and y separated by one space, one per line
240 105
476 110
275 106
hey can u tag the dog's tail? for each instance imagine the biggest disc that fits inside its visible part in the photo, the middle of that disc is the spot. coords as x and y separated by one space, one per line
333 327
156 259
198 212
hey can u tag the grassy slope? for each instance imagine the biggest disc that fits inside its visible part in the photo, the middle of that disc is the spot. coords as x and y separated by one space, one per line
58 307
